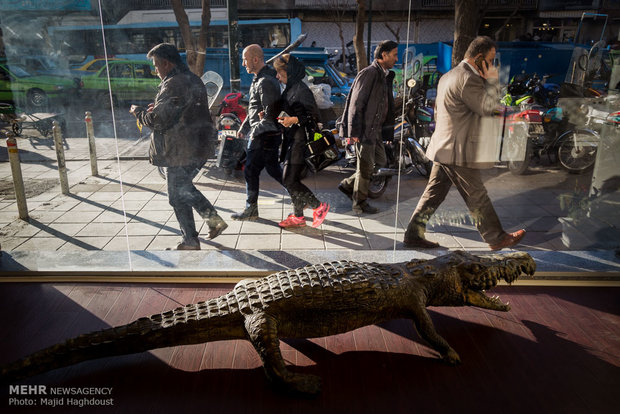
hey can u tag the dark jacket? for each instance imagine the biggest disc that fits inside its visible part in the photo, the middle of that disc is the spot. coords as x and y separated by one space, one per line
264 97
183 133
298 101
369 110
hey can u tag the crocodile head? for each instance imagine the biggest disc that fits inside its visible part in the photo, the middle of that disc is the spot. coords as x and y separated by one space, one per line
467 276
479 273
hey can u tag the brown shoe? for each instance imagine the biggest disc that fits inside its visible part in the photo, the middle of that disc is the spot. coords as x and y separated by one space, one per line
187 245
420 243
509 240
216 226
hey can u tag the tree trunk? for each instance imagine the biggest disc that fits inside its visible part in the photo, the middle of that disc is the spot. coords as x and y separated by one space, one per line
194 48
466 23
201 55
358 39
343 58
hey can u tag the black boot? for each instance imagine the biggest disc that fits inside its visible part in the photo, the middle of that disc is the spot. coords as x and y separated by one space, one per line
250 213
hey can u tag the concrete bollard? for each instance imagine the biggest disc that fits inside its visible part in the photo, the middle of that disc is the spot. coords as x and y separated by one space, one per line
92 148
16 171
60 155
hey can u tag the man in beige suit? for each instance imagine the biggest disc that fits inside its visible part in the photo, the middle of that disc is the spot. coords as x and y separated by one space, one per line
465 95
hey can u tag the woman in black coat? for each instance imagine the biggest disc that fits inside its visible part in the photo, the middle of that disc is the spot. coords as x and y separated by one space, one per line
301 112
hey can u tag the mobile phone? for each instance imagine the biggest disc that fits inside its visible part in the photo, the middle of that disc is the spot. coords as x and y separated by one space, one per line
282 115
478 63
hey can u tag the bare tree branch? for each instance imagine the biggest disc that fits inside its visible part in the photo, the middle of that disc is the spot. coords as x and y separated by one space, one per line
194 47
501 28
386 22
336 11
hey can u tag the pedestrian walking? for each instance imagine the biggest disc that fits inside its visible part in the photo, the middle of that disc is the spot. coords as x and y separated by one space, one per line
261 129
301 115
368 119
465 95
182 139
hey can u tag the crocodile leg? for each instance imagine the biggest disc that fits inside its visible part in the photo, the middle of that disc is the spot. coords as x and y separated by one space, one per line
426 330
263 333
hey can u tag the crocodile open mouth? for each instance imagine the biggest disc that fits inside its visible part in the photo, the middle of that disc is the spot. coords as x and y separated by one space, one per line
487 271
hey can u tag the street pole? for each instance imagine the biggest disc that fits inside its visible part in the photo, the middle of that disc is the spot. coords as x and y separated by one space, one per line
369 30
233 45
60 155
92 148
18 180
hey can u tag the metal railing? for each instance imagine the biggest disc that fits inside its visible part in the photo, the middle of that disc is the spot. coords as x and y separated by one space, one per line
492 4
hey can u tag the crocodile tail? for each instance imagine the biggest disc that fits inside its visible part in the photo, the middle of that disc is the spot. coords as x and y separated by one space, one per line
121 340
214 320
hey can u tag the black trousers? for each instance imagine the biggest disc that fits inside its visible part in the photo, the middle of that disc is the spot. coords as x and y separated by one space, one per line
471 188
262 153
301 196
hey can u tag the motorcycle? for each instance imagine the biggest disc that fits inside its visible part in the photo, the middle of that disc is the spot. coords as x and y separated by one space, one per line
578 146
406 152
230 117
523 131
535 125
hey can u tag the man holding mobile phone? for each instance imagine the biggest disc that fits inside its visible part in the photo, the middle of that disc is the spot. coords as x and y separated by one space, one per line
465 95
182 139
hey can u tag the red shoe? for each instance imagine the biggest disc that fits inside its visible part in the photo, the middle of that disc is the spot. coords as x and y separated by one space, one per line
293 221
509 240
319 214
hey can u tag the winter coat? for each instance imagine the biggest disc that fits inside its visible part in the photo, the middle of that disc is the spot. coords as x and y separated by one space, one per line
369 110
298 101
182 131
264 97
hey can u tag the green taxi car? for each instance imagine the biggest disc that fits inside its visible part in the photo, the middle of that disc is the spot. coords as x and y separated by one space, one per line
34 92
91 67
133 81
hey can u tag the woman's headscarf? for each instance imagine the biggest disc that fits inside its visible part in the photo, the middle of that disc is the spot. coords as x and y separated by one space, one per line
295 72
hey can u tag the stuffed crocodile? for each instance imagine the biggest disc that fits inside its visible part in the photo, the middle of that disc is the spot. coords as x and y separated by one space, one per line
312 301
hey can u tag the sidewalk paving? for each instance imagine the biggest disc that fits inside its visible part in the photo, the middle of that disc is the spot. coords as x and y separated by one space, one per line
121 219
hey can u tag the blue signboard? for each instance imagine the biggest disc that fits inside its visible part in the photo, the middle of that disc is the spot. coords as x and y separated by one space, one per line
44 5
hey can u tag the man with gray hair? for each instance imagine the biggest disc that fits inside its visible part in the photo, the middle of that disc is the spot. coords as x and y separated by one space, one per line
465 95
182 139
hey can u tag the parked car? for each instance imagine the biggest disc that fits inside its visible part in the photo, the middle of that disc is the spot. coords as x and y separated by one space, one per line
132 81
91 67
35 93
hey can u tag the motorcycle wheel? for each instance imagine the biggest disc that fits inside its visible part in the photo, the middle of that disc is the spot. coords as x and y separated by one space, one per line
16 127
577 151
377 186
421 163
514 147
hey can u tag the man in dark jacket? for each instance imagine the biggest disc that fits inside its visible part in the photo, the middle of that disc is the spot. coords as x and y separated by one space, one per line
183 138
368 119
261 129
